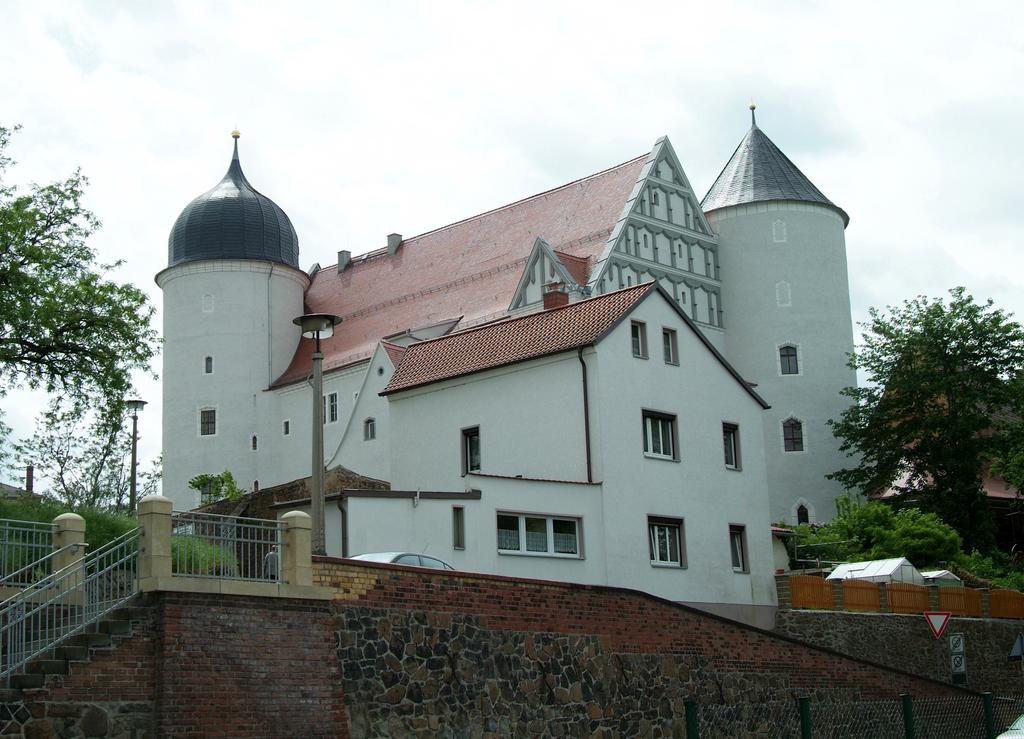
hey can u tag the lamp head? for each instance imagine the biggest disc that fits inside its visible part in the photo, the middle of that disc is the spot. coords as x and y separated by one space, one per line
317 325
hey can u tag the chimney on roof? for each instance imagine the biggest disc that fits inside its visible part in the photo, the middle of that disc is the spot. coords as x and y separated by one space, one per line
30 475
555 295
344 260
394 241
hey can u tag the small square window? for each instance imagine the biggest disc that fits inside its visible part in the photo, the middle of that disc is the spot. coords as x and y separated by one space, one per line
207 422
660 435
738 548
471 450
731 445
508 533
667 545
639 337
670 346
458 527
369 429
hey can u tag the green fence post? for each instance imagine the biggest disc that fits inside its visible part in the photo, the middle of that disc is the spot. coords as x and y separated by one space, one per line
805 717
692 723
990 718
908 716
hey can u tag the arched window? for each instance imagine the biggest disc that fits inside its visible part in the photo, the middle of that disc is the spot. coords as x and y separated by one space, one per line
802 516
369 429
255 442
792 435
788 360
208 366
783 295
207 303
779 232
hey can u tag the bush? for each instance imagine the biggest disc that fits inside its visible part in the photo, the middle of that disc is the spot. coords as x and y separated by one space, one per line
100 526
192 556
997 568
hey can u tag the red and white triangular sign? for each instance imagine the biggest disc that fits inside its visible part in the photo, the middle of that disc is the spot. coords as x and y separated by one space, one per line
937 622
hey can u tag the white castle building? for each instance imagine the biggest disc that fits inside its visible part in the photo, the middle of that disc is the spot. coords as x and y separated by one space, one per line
612 374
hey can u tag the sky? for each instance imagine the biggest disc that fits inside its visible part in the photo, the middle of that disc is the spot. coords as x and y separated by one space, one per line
362 119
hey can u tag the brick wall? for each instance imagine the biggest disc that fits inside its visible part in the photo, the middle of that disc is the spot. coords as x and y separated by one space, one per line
247 667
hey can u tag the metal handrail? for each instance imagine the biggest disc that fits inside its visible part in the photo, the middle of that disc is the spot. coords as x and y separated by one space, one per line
21 541
67 601
12 578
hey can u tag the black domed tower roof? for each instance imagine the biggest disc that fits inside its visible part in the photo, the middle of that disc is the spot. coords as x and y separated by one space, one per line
233 221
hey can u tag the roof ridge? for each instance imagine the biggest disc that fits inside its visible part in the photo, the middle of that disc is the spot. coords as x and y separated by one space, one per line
513 319
383 250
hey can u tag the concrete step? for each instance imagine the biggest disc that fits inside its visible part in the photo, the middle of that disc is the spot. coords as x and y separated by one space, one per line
27 682
72 653
89 640
47 667
115 628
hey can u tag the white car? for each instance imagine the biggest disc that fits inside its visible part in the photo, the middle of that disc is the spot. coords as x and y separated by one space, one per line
411 559
1014 730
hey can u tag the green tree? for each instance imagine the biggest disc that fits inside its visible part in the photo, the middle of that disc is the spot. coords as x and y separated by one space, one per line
86 459
941 377
866 531
64 325
216 487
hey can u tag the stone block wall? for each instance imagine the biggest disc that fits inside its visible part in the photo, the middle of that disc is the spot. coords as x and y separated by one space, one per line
427 653
906 642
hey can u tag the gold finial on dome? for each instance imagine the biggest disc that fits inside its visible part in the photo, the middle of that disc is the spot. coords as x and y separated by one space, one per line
235 134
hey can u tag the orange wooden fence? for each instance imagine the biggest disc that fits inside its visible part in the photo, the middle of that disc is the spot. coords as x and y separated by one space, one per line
960 601
861 595
907 598
810 592
1006 604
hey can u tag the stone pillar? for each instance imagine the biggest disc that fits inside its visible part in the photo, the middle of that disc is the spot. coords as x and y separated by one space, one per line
155 542
933 597
883 598
986 606
297 554
783 592
838 595
69 536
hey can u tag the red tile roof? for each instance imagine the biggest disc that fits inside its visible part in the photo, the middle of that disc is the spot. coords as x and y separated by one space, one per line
527 337
578 267
470 268
395 352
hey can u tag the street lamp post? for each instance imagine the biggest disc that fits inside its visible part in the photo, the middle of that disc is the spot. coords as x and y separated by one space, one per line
317 326
134 406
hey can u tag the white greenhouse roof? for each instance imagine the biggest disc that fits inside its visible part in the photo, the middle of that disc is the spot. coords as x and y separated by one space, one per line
871 569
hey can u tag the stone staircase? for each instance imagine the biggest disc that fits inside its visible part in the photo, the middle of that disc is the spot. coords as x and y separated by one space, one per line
104 635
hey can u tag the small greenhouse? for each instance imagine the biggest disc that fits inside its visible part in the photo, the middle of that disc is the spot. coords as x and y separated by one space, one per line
879 570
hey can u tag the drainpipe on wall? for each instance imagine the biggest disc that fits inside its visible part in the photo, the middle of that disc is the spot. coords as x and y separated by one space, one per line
586 414
343 512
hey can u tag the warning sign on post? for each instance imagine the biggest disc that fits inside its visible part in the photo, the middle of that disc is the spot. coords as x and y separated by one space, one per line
958 663
956 644
937 621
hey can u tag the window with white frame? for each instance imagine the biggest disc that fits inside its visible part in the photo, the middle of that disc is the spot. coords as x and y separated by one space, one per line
660 435
369 429
731 445
471 450
738 548
638 333
667 541
670 346
792 435
332 408
540 535
789 363
207 422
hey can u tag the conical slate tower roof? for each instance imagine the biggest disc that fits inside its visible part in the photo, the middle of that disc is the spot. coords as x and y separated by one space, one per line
233 221
758 171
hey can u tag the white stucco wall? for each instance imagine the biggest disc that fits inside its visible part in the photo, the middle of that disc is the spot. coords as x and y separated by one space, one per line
792 291
239 313
698 487
370 457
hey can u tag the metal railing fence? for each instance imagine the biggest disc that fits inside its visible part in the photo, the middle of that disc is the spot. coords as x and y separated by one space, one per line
66 601
21 544
226 547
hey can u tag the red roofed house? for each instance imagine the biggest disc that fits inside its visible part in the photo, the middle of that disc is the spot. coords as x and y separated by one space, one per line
446 332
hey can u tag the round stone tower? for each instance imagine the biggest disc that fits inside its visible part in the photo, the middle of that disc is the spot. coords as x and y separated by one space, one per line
231 289
788 329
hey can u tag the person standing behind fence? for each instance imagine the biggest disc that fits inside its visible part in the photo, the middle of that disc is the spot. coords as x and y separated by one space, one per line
271 564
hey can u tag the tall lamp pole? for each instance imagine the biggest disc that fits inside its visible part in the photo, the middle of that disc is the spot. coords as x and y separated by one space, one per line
134 406
318 326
